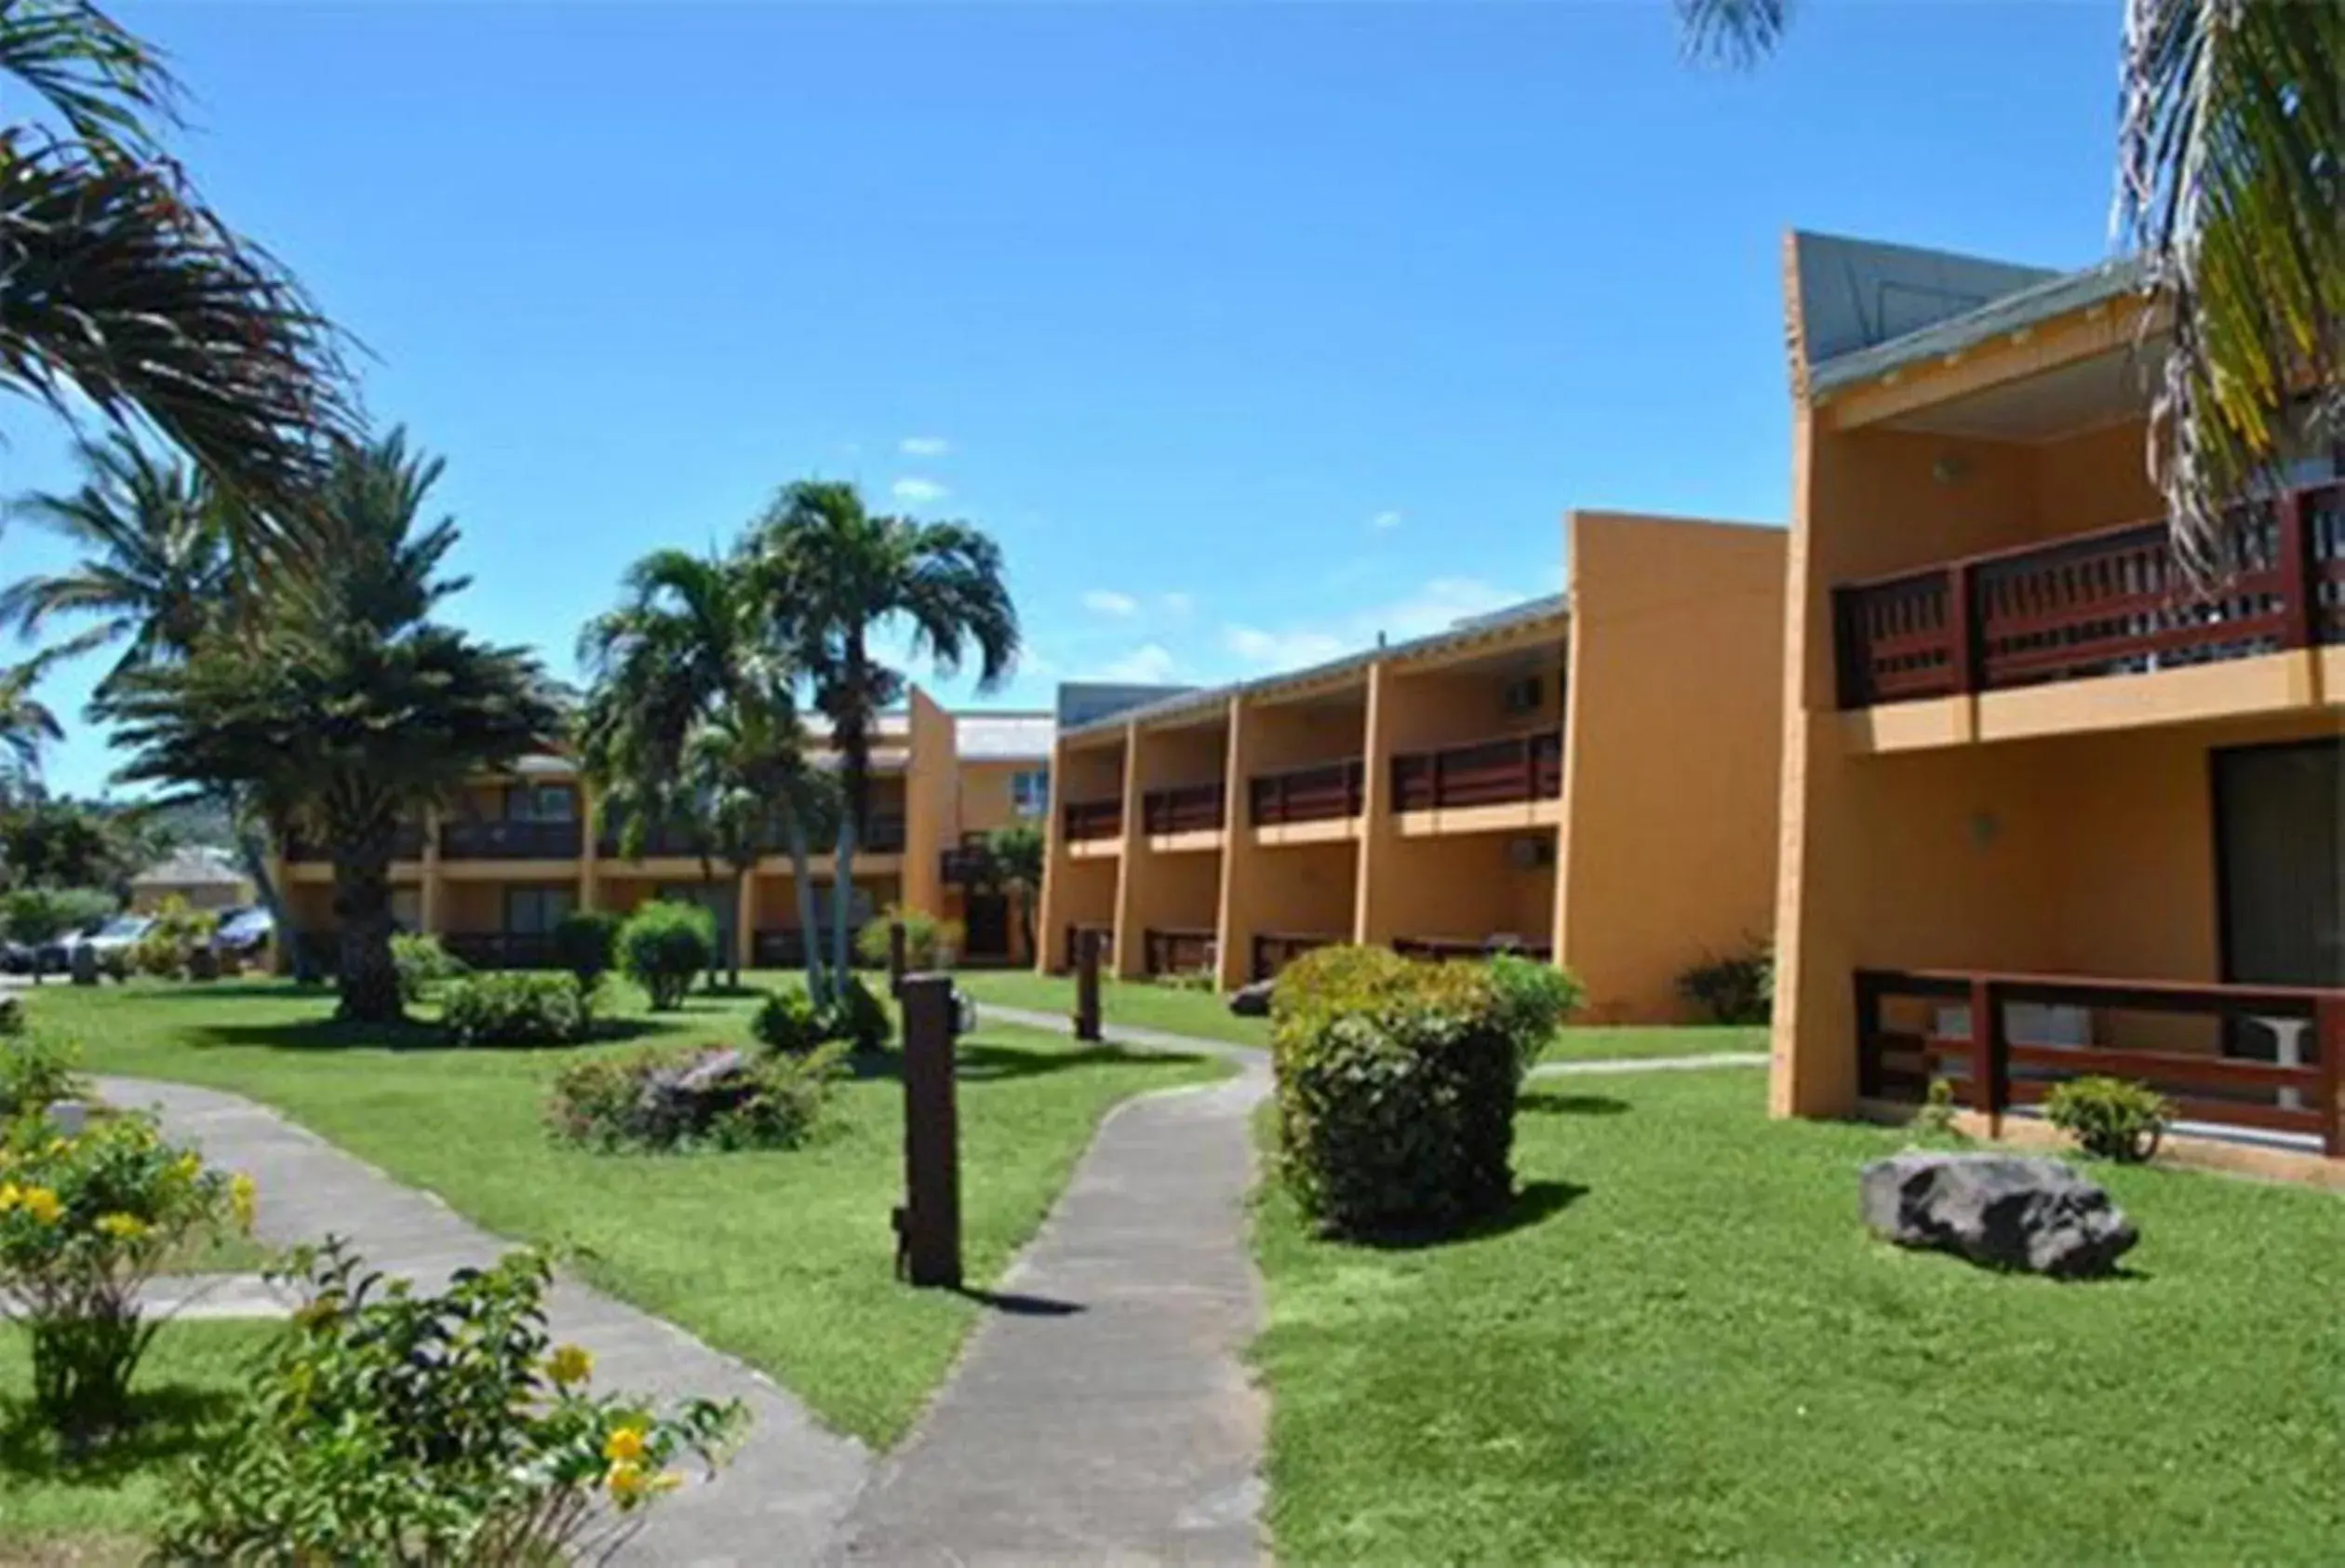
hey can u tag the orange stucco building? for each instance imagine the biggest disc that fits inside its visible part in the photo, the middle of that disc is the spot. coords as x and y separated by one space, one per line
492 874
1591 778
2050 805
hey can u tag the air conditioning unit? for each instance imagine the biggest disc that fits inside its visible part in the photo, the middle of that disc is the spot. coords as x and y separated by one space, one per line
1522 695
1532 852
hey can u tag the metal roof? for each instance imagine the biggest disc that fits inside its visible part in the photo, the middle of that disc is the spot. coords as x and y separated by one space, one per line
1003 737
1463 633
191 866
2037 302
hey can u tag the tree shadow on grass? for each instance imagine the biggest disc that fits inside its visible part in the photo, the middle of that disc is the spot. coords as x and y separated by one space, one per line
1534 1203
169 1423
194 991
1015 1305
1549 1102
321 1034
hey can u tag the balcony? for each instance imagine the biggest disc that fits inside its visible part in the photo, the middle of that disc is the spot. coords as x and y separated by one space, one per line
1183 808
1274 950
1442 949
665 842
1092 819
2044 1029
1183 951
1327 792
498 839
407 843
1486 773
503 949
2112 603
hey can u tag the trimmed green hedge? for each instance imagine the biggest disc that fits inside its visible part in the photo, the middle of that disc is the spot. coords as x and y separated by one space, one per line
665 947
516 1008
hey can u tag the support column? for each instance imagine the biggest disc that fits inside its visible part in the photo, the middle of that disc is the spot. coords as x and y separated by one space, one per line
427 899
746 921
1052 895
1373 900
1235 920
589 851
1132 959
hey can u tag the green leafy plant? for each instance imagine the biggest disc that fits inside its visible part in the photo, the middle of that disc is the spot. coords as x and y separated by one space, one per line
861 1018
1396 1090
1187 980
37 916
11 1014
2111 1117
86 1220
423 965
168 948
37 1070
927 942
1735 989
586 943
396 1427
788 1021
1535 999
663 946
516 1007
709 1097
1935 1121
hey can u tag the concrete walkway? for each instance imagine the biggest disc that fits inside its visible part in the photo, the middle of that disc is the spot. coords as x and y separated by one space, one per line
784 1493
1102 1413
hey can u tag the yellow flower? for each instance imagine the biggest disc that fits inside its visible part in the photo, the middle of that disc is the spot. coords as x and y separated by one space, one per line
10 1196
188 1167
58 1146
625 1480
128 1227
624 1445
42 1204
570 1364
666 1481
243 1195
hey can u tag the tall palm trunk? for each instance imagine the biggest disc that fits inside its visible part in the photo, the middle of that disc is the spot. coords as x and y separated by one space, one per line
368 979
842 893
743 872
802 878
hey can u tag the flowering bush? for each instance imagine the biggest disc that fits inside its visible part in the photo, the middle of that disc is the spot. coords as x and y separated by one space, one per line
84 1222
37 1070
395 1427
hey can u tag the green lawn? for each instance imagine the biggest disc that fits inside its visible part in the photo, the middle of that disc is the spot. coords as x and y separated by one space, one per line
95 1509
1686 1347
1205 1015
782 1258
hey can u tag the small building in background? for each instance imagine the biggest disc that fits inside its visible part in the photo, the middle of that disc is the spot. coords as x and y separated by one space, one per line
204 878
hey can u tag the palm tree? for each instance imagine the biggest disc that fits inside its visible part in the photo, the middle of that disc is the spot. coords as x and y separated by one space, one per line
121 291
343 708
26 725
833 574
1012 864
692 723
2230 159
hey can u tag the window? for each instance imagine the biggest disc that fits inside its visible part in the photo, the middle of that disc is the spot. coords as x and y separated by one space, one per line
1030 791
536 911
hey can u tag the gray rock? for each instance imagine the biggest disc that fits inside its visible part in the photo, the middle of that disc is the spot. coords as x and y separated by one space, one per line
682 1101
709 1071
2001 1210
1253 1002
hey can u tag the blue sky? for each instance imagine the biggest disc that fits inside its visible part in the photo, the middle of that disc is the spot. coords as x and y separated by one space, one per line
1249 330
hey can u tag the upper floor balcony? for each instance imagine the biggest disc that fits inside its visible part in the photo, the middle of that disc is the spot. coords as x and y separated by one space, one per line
511 838
1084 819
406 844
1324 792
1521 768
2116 602
1198 807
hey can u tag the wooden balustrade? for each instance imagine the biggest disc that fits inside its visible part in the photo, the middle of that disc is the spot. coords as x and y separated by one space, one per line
2119 601
1092 819
503 949
510 839
1324 792
407 843
1440 948
1485 774
1990 1071
1182 809
1177 951
1274 950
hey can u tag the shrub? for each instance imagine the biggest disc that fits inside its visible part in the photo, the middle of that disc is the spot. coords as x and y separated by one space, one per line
927 942
663 945
1738 989
35 1072
1396 1090
394 1426
1188 980
1535 999
84 1222
861 1018
168 949
586 942
11 1014
789 1022
423 965
2109 1117
705 1097
516 1008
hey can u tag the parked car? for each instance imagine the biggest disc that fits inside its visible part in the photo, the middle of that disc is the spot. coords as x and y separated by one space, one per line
110 941
243 933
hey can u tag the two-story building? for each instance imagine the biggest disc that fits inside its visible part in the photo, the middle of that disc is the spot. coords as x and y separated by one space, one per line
2051 802
493 872
1589 778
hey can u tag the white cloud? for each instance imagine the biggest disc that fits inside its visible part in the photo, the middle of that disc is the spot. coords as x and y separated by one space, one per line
1383 522
924 446
1106 601
916 492
1151 664
1440 604
1181 604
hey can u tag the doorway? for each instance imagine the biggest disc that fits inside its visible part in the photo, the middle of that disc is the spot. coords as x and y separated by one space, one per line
986 928
2279 833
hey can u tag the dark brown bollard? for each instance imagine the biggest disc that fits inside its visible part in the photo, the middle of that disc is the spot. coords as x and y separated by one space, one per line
928 1223
895 957
1087 985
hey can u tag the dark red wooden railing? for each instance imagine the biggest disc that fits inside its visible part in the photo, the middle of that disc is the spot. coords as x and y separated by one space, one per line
502 949
504 838
1324 792
1093 819
1441 948
1177 951
1486 773
407 843
1998 1072
1274 950
2115 602
1182 809
1075 930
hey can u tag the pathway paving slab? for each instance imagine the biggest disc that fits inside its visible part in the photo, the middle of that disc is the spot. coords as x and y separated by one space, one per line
784 1493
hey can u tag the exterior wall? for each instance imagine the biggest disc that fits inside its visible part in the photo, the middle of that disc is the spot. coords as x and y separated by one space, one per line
985 801
1177 890
929 787
1071 888
1673 754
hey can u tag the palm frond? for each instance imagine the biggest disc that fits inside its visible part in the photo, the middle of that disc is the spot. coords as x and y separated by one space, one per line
2232 186
1735 32
104 81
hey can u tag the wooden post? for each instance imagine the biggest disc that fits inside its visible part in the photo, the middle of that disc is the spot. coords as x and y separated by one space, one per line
2297 576
1087 985
895 957
928 1223
2328 1040
1986 1052
1961 628
1868 1037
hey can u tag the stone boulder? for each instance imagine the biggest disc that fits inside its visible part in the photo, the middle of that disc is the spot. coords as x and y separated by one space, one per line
680 1101
2001 1210
1253 1002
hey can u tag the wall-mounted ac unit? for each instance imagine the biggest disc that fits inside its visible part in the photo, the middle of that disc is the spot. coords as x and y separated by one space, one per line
1522 695
1532 852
